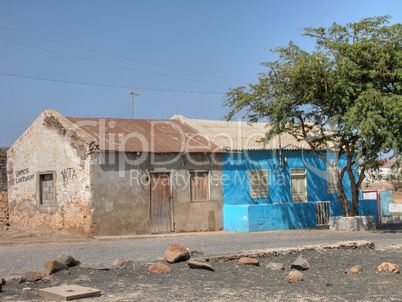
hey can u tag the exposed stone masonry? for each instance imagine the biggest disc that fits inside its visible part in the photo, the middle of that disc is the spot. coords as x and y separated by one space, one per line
4 222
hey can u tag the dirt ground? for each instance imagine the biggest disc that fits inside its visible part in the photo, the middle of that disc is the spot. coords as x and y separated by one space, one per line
324 281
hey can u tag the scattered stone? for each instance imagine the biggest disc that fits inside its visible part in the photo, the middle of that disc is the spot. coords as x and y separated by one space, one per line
159 268
196 254
329 284
12 278
67 260
53 266
300 264
128 266
294 276
83 278
31 276
354 270
249 261
119 261
386 266
200 265
276 266
48 279
176 253
26 288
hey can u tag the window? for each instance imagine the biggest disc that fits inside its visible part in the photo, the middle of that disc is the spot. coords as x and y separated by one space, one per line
298 185
331 180
259 184
47 194
199 183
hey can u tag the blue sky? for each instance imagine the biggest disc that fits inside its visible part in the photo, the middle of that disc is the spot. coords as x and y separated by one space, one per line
158 48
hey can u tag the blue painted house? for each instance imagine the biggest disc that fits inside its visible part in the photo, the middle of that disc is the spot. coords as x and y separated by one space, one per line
279 185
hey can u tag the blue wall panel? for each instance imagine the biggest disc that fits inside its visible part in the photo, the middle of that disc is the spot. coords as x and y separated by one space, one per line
366 207
235 218
236 182
386 199
245 214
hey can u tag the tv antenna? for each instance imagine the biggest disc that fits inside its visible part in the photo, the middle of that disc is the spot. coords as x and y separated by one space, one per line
132 101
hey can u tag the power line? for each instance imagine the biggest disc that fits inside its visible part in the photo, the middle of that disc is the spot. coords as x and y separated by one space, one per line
108 64
117 56
105 85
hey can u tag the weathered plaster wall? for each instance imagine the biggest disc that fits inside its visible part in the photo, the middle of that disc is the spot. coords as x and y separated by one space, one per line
46 148
122 192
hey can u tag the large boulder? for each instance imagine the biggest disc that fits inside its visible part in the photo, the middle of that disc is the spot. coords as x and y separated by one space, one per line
249 261
386 266
294 276
357 269
53 266
32 276
67 260
200 265
159 268
176 253
300 264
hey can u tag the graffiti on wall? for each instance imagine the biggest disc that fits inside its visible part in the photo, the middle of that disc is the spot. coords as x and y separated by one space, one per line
23 175
69 174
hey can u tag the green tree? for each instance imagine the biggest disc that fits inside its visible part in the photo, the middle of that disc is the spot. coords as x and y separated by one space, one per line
344 96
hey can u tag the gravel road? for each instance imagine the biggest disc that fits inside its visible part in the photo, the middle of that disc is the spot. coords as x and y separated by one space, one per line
18 258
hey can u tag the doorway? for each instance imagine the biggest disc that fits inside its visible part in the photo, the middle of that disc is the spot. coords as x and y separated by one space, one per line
160 203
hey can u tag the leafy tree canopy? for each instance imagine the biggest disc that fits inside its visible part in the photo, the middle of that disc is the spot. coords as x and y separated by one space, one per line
345 94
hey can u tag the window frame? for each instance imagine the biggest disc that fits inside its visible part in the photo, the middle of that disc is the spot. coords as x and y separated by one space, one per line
51 207
332 186
194 172
261 192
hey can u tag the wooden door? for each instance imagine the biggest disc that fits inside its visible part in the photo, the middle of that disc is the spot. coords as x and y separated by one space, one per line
161 207
298 185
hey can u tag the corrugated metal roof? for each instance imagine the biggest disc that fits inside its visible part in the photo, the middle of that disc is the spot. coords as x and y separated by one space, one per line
144 135
239 136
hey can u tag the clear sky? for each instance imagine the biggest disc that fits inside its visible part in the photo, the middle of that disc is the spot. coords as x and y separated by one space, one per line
158 48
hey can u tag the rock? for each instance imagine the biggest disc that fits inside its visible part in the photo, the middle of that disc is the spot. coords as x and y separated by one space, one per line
53 266
300 264
100 267
67 260
200 265
354 270
294 276
128 266
176 253
31 276
275 266
159 268
386 266
83 278
48 279
249 261
119 261
196 254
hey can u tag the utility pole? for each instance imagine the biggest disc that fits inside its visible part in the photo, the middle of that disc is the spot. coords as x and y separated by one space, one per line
132 101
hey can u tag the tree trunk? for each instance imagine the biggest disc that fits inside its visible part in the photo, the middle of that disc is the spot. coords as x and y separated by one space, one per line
341 193
353 186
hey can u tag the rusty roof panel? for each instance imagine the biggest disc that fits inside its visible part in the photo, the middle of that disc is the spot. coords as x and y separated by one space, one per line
144 135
